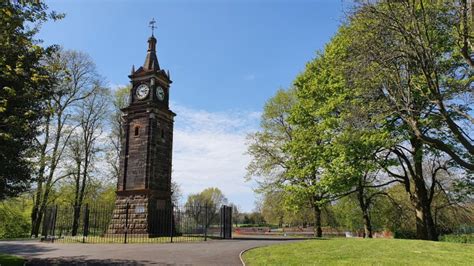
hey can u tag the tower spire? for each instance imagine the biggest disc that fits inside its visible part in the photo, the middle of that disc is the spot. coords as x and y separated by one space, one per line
151 61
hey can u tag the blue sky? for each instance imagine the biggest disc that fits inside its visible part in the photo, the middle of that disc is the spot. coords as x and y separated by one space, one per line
226 59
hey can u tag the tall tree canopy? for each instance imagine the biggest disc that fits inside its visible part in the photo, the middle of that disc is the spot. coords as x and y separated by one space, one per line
24 85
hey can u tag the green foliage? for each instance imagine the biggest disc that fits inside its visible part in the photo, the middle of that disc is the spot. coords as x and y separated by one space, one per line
336 130
423 67
253 219
97 193
25 84
209 200
267 147
15 218
463 238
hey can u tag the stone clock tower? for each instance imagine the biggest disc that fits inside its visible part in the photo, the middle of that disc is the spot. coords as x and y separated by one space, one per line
144 184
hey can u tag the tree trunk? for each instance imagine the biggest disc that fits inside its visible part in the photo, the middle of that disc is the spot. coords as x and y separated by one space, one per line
317 222
35 220
364 206
367 225
75 223
425 227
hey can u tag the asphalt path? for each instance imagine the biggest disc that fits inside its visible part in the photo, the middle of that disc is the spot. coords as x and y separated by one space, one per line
213 252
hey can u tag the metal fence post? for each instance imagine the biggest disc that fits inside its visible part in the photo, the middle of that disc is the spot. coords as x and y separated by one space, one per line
171 223
230 221
206 222
127 207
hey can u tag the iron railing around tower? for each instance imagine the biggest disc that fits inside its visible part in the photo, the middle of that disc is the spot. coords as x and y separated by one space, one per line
104 224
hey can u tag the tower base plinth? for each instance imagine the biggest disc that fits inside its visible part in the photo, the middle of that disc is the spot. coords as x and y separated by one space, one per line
141 214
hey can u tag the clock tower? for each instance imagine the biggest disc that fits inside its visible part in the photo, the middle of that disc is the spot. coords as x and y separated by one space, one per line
144 185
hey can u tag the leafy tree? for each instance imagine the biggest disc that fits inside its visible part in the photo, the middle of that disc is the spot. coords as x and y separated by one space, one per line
235 214
207 201
25 83
84 146
116 135
415 54
76 80
428 75
267 147
272 161
336 132
273 207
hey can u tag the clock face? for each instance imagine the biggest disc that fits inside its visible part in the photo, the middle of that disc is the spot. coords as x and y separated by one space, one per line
142 91
160 93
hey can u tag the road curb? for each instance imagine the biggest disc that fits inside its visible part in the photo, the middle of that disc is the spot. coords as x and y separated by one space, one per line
245 250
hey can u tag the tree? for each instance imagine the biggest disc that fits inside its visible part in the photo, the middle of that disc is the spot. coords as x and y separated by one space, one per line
84 146
206 203
274 163
176 193
25 85
235 214
120 100
420 55
415 54
273 207
76 79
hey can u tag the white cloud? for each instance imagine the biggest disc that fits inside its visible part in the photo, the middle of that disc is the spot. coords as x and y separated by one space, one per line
209 151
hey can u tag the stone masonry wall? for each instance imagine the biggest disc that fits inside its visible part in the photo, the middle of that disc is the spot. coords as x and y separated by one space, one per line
137 215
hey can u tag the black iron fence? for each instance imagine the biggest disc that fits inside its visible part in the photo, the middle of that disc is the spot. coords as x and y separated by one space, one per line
132 223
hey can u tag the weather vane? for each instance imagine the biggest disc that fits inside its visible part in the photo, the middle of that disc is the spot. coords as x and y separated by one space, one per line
152 25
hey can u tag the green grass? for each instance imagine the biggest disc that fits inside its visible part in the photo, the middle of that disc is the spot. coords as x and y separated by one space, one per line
362 252
10 260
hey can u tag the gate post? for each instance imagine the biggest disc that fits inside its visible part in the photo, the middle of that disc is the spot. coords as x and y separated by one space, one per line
226 222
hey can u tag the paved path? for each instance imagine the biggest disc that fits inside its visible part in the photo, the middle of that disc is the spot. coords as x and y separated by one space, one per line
214 252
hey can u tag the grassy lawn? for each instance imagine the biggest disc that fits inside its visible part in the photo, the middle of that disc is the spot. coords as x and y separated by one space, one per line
362 252
10 260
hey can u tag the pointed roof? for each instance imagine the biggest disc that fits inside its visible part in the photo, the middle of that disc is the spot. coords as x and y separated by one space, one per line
151 61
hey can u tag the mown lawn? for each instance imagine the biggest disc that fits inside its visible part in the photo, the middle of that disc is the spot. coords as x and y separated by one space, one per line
362 252
11 260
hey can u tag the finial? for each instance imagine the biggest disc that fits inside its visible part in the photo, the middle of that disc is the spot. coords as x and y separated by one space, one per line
133 69
152 26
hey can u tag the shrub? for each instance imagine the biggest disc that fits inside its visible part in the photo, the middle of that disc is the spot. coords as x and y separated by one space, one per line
14 219
455 238
404 234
